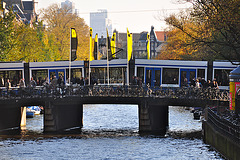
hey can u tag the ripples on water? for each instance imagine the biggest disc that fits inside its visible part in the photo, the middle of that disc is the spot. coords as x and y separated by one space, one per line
110 132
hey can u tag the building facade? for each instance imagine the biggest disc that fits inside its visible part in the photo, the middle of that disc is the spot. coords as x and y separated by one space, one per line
99 22
69 5
24 10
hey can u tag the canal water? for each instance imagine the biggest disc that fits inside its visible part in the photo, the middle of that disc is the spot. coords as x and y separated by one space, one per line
110 132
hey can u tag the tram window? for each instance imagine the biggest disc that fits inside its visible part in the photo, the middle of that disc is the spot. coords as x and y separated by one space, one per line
221 75
116 75
76 74
13 76
170 75
201 73
98 74
39 76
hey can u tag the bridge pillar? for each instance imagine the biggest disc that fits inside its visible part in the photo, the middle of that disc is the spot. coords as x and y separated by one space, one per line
10 116
60 115
23 116
153 118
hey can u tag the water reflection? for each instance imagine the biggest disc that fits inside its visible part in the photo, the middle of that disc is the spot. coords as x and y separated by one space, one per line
109 132
119 120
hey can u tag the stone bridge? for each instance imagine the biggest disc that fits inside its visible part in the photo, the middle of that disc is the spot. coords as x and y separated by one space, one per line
64 105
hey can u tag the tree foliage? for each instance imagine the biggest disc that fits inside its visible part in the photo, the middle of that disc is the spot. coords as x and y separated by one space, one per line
35 42
210 29
57 41
7 35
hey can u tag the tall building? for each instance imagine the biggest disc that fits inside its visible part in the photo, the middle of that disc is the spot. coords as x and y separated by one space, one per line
24 10
99 22
70 5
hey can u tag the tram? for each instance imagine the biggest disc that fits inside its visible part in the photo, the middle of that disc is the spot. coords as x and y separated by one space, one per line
156 73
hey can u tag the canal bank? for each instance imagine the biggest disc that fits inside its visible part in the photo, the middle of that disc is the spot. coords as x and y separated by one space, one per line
222 134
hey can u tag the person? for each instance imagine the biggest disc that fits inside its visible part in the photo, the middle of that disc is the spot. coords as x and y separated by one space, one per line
203 82
185 82
86 81
215 84
60 81
54 82
33 83
193 82
22 83
209 84
45 82
8 84
198 84
82 81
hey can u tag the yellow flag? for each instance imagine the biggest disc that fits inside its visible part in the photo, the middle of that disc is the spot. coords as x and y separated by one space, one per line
129 45
95 51
113 45
74 44
148 46
91 56
74 34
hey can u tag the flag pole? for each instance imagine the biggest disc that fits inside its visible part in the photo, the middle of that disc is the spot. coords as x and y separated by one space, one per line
107 62
127 60
89 68
70 57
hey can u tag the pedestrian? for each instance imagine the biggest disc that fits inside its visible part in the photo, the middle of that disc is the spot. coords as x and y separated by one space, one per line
209 84
82 81
60 81
215 84
22 83
8 84
185 83
32 83
54 82
198 84
45 82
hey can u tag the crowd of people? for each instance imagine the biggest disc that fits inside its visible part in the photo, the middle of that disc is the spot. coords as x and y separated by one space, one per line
59 82
200 83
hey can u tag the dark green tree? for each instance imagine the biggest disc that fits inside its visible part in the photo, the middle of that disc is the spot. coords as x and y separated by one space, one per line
8 35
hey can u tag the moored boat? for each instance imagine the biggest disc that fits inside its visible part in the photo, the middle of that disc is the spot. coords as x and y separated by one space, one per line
29 113
35 109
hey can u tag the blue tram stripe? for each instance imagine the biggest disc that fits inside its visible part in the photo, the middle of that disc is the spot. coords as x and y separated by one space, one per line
177 66
49 67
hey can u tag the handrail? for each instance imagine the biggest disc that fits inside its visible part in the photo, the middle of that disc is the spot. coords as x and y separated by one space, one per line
116 90
225 124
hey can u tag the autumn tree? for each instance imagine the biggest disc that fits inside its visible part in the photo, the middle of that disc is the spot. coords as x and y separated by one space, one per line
56 39
180 45
20 41
7 35
217 27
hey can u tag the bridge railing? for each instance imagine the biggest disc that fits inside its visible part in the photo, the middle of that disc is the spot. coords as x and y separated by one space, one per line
227 123
120 91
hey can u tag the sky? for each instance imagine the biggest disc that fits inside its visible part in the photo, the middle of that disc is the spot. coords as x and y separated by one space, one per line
136 15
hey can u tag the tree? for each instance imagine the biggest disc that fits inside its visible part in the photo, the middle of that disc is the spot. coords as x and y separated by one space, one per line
7 35
180 45
59 21
218 27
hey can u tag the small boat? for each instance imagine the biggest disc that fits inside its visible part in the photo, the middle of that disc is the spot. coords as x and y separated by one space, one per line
36 110
29 113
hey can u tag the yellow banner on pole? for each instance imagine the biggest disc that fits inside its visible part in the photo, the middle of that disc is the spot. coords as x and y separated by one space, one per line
129 45
113 45
91 56
148 46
